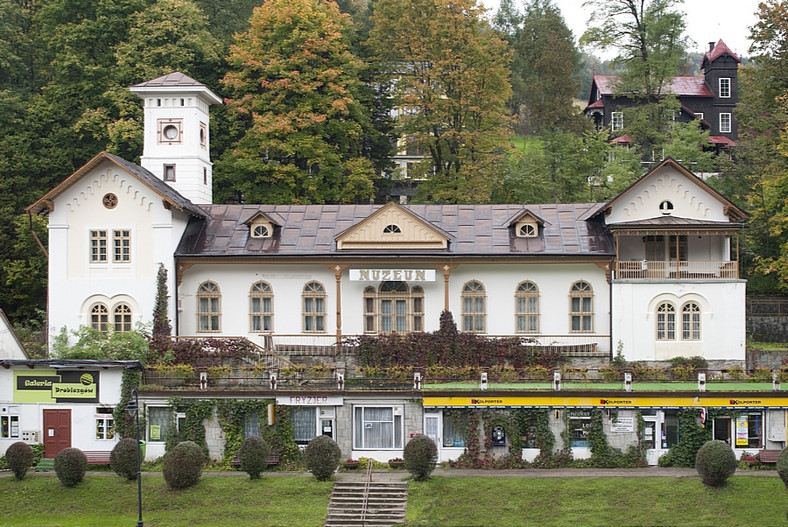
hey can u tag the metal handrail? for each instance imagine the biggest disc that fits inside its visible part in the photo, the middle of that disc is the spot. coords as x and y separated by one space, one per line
365 499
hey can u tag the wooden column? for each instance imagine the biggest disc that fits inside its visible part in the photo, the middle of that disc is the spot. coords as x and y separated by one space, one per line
338 276
446 268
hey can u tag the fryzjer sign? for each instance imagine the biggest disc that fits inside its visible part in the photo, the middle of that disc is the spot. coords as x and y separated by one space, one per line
56 387
407 275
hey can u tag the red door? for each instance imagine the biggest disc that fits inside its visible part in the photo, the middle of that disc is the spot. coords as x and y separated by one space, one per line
57 431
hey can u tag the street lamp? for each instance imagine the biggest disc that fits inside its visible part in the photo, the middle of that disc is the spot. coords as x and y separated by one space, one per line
134 409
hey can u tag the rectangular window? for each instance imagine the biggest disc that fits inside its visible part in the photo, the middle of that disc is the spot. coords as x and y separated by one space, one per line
105 427
98 246
314 309
579 425
725 123
453 435
169 172
9 424
121 239
160 419
261 313
252 425
725 88
581 314
699 115
617 121
377 427
418 313
304 421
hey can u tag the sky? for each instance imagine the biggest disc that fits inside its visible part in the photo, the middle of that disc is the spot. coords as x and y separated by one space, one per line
707 21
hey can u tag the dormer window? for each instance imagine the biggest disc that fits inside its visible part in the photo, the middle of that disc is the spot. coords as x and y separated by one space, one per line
527 230
261 231
392 229
666 207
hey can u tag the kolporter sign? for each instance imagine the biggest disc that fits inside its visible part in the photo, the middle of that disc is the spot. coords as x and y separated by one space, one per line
634 401
56 387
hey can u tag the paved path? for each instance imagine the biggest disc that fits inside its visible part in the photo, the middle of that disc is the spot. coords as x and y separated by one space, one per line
400 475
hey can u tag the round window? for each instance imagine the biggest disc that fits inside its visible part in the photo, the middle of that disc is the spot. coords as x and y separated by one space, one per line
171 132
110 201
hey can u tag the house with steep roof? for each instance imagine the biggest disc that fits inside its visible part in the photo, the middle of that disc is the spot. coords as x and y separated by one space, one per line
709 98
652 274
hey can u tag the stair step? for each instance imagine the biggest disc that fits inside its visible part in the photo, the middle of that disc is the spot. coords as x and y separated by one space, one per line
385 504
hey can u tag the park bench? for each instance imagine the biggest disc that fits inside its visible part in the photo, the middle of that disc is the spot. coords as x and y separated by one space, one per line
97 457
273 460
768 456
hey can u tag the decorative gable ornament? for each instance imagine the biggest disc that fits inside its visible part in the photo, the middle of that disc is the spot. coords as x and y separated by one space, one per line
392 226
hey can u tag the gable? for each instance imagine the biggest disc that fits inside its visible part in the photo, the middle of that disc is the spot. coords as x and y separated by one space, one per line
670 190
392 226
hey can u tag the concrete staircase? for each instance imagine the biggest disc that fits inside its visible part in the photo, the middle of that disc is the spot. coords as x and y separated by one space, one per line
367 503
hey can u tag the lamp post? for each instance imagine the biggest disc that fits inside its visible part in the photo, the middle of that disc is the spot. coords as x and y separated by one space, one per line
134 408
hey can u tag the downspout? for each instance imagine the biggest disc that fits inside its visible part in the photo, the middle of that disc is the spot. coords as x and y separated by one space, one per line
46 255
610 315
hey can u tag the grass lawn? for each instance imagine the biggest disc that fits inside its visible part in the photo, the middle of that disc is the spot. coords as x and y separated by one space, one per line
216 501
647 501
300 501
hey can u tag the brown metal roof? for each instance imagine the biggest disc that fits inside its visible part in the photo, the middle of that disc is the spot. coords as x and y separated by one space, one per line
686 86
473 230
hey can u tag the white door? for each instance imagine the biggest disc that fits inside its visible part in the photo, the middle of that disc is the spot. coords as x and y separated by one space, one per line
432 429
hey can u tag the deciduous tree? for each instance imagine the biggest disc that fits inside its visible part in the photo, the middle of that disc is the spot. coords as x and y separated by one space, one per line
294 85
449 81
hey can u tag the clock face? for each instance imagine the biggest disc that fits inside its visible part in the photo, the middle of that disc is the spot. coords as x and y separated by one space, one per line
170 132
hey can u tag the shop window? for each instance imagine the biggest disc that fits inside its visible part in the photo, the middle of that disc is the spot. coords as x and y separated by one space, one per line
160 419
9 423
378 427
579 425
304 421
105 424
453 432
528 432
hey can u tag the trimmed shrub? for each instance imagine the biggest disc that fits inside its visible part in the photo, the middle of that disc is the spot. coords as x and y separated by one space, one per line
782 466
321 457
253 456
19 458
70 466
123 458
182 465
715 463
420 455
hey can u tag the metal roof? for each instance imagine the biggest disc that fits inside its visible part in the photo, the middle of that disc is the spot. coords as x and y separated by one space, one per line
473 230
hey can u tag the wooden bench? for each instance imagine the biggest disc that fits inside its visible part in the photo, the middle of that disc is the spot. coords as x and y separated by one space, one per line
273 460
97 457
768 456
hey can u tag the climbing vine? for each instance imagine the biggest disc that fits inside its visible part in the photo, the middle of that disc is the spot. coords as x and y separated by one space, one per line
233 414
124 422
691 437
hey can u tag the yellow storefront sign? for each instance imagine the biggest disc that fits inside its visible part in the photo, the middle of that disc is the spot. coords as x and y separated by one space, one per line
617 401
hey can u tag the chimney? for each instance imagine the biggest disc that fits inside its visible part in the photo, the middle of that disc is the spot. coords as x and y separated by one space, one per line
711 46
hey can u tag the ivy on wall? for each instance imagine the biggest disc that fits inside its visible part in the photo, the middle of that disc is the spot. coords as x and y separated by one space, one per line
124 422
691 437
232 415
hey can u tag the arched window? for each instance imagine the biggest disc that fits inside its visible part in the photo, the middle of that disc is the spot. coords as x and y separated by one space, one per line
122 317
473 307
666 321
581 307
526 302
393 307
261 307
392 229
690 321
99 317
209 308
314 314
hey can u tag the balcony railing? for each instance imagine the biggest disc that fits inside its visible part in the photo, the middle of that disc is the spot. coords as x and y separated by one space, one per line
673 270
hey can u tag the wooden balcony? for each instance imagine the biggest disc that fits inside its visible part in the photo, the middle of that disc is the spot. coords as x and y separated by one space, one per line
683 270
